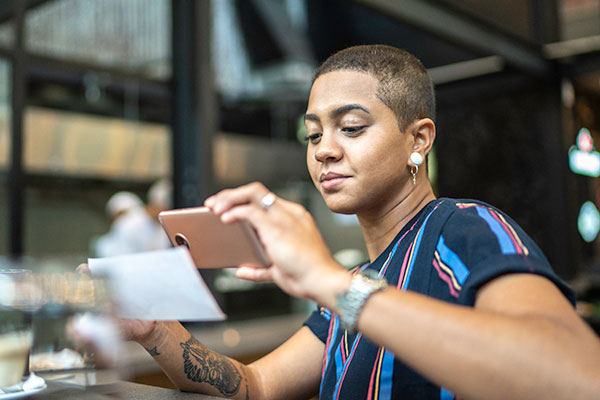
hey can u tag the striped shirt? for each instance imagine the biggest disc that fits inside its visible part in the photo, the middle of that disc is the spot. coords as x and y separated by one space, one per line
447 251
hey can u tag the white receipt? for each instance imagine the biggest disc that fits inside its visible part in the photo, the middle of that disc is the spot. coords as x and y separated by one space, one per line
158 285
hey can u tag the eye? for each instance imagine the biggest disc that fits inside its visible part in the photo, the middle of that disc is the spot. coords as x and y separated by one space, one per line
314 138
353 130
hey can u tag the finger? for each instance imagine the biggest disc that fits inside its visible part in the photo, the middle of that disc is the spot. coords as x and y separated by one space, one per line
265 224
229 198
247 212
83 268
256 213
254 274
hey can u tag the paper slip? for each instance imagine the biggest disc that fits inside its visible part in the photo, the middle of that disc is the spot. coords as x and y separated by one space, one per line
158 285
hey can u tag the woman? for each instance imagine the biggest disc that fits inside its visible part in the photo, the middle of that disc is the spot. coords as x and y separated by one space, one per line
458 300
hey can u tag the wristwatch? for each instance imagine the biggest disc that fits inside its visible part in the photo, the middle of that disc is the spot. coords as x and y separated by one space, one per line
351 302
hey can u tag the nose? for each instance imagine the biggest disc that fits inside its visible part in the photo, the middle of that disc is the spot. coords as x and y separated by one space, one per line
328 149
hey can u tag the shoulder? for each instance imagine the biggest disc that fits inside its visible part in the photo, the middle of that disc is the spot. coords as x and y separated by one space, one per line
487 243
477 221
469 208
453 210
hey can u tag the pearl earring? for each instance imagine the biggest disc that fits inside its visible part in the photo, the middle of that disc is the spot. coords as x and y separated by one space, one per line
417 159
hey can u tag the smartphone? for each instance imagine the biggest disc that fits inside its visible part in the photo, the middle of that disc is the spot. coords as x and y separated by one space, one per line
213 244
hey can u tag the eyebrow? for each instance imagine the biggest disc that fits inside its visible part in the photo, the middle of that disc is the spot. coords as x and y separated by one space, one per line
337 112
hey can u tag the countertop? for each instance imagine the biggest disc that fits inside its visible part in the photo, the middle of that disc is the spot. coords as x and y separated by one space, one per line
117 390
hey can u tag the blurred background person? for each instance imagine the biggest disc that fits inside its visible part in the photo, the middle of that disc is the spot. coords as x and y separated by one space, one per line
135 227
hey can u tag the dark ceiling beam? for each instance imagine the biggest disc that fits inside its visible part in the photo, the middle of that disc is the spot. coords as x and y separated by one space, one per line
575 57
567 49
464 31
7 7
52 70
465 70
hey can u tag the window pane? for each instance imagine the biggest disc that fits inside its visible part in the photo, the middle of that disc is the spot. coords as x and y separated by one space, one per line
7 34
131 35
74 144
5 111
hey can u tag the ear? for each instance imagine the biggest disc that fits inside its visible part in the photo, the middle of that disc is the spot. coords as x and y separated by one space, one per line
423 132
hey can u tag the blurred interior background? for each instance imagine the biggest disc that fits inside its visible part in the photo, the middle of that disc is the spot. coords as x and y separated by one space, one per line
99 96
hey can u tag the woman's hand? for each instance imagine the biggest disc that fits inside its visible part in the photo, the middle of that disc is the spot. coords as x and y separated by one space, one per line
302 265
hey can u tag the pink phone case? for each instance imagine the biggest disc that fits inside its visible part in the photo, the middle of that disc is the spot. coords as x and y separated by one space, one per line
213 244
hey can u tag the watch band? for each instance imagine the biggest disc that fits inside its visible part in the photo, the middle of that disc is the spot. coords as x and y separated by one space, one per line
351 302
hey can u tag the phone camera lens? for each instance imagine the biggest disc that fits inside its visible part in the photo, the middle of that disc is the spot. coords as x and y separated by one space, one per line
181 240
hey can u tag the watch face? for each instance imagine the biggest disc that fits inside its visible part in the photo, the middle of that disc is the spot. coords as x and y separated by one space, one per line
351 302
374 280
371 274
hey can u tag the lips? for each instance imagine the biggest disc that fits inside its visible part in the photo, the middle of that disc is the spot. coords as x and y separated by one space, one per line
331 179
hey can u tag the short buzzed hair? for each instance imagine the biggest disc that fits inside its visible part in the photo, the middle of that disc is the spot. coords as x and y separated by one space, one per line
404 85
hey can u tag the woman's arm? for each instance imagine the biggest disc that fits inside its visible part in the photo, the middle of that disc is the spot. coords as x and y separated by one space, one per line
522 340
195 368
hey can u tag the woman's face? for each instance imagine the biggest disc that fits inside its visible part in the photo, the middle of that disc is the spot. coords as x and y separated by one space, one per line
357 155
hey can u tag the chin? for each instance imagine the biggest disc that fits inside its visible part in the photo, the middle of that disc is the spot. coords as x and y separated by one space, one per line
342 211
340 207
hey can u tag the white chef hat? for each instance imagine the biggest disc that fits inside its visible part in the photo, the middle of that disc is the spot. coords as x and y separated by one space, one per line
122 202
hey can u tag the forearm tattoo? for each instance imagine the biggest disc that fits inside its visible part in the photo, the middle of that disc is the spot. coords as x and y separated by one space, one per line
202 365
153 351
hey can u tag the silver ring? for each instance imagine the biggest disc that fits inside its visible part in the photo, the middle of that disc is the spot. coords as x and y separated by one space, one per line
267 200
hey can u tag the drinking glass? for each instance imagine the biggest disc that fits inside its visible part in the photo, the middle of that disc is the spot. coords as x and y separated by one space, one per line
19 298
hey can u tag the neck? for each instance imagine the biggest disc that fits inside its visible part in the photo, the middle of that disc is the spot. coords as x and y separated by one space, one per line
380 227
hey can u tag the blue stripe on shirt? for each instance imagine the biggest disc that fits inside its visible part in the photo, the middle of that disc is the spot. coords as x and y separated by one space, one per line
445 394
506 244
386 380
461 272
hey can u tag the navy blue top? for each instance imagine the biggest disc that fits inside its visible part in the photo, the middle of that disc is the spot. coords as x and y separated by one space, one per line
447 251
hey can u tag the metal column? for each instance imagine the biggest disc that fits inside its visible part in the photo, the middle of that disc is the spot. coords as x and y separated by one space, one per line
16 181
193 108
192 103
